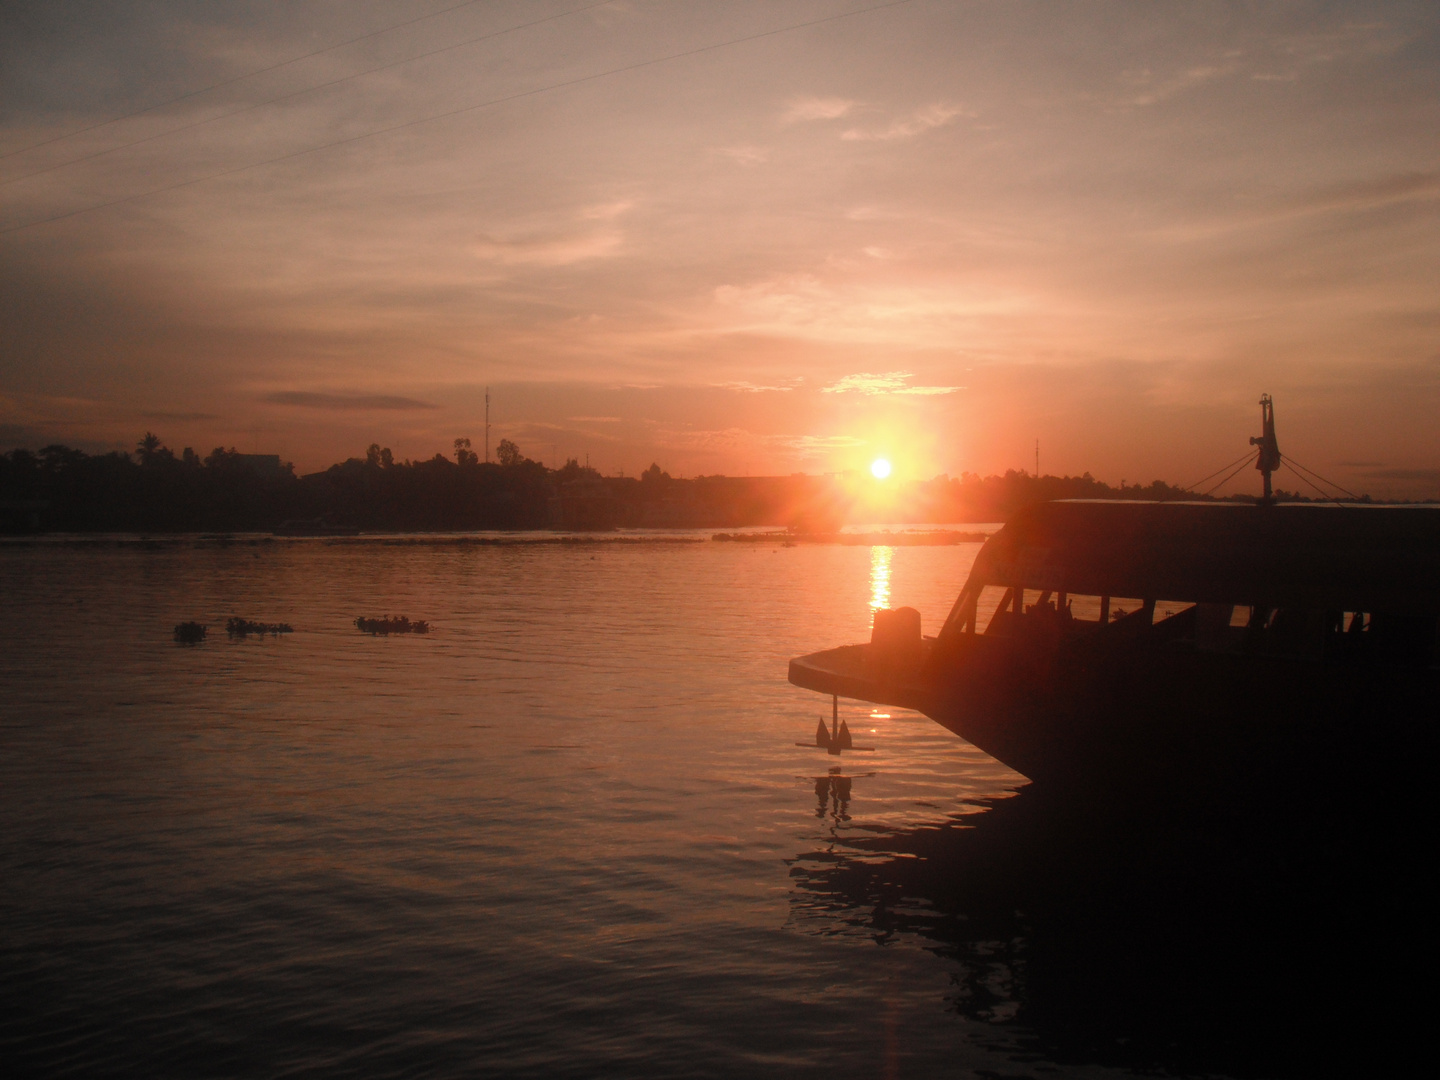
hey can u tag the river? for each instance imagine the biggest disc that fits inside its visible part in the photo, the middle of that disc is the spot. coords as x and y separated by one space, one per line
566 833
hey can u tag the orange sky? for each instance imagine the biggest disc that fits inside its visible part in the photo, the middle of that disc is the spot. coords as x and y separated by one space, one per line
935 231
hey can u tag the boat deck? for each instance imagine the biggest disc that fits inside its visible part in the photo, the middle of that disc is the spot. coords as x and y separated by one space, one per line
859 672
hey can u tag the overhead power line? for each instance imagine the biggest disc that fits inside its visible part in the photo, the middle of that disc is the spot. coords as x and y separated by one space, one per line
300 93
238 78
580 80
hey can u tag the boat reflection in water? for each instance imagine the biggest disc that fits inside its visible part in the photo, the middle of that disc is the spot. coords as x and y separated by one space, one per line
1284 940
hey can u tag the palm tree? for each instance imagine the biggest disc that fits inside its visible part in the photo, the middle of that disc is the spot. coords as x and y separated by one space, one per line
149 447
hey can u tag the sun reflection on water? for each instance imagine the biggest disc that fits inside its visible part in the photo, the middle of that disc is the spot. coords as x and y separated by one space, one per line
880 577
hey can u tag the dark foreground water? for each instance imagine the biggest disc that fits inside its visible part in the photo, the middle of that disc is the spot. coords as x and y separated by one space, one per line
568 833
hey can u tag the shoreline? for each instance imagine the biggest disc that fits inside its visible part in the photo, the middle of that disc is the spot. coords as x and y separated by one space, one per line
929 538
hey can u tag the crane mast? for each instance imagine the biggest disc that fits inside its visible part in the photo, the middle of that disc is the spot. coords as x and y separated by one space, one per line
1268 459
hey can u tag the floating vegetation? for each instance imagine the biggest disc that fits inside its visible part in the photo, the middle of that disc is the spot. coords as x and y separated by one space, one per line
238 627
395 624
190 633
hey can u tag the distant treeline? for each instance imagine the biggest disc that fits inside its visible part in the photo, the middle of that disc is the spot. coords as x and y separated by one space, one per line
154 490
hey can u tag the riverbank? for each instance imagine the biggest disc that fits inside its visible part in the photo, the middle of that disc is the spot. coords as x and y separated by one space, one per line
884 537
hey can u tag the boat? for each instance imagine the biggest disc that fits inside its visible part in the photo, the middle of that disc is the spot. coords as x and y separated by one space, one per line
1176 647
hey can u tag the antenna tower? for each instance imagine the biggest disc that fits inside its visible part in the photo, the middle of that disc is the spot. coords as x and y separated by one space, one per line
487 425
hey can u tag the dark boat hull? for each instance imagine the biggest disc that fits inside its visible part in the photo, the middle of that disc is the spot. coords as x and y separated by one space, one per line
1291 640
1161 716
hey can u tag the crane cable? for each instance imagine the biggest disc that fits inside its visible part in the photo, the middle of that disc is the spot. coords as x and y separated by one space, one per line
1190 488
1296 465
1243 463
1243 457
1323 494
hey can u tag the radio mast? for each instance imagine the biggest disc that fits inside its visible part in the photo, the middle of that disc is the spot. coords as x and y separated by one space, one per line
487 425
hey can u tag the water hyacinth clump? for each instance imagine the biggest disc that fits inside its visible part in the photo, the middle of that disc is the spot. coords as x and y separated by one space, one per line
238 627
394 624
190 633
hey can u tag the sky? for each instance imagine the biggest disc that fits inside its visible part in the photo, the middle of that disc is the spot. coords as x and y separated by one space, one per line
746 238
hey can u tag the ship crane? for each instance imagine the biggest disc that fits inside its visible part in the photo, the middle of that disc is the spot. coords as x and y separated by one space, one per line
1268 460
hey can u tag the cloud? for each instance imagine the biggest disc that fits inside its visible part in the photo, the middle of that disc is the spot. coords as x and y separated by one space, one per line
179 417
756 388
802 110
596 419
563 251
748 156
1368 194
866 383
346 402
1149 90
890 382
1428 475
922 120
1357 197
608 211
887 312
813 445
15 435
562 244
927 391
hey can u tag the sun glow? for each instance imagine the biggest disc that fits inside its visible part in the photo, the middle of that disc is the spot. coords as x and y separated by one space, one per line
880 468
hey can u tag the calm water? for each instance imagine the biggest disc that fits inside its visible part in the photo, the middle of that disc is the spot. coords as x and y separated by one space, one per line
567 833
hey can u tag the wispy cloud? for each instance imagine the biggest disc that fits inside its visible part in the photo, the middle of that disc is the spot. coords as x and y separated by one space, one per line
1367 194
809 446
918 122
607 211
801 110
857 310
748 156
346 402
1147 88
1429 475
179 417
595 419
561 251
755 388
564 243
889 382
1350 198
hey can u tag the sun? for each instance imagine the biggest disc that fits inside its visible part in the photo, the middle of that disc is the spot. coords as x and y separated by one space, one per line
880 468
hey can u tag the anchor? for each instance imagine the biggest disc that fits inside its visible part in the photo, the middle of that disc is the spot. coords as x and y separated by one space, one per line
837 737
